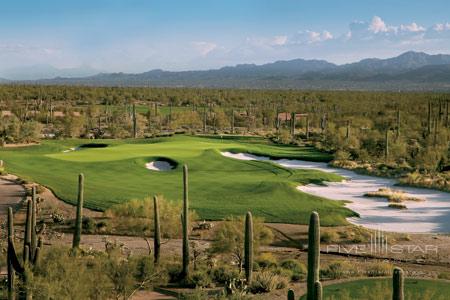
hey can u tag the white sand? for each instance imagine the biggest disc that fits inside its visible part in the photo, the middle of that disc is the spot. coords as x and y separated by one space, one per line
159 165
432 215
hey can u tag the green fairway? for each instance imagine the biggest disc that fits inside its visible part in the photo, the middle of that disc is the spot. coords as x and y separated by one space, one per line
381 289
219 186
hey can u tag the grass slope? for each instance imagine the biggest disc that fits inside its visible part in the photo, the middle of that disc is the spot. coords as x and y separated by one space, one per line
380 289
219 186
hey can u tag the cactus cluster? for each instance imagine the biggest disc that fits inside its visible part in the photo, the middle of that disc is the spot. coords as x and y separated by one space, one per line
31 248
248 247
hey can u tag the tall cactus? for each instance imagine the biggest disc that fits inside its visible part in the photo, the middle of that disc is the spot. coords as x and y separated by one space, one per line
30 256
290 295
11 277
232 121
386 144
33 243
156 230
293 125
430 108
397 284
134 121
248 247
307 128
185 225
347 134
313 254
317 290
79 217
397 133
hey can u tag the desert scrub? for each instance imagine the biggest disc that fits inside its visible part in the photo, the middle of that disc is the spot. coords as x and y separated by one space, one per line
329 236
267 281
397 206
297 268
229 238
136 217
395 196
99 275
339 270
266 260
378 269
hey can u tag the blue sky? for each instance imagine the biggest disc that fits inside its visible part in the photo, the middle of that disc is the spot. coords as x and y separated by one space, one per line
138 35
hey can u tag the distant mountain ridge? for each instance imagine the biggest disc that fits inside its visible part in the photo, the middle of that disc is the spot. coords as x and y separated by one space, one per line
408 71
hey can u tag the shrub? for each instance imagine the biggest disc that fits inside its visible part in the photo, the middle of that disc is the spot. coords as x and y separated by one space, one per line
377 269
201 279
266 260
338 270
224 274
329 237
297 268
267 281
89 225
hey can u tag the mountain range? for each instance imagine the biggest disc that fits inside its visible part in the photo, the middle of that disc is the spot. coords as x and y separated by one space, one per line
408 71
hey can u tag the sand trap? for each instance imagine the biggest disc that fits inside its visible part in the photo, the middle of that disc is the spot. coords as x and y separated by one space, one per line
71 149
432 215
159 165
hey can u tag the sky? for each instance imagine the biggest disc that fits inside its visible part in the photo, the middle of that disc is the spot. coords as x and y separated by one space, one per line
140 35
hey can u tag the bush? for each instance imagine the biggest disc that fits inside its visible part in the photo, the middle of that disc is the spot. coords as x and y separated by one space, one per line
224 274
338 270
89 225
297 268
266 260
267 281
378 269
201 279
329 237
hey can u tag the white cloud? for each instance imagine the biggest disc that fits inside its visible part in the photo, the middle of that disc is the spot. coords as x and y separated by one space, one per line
377 25
204 48
279 40
413 27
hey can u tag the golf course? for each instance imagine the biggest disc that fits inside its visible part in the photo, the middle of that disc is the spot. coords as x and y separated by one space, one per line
219 186
381 288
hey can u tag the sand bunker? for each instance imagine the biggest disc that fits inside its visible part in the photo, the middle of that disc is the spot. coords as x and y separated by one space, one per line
432 215
159 165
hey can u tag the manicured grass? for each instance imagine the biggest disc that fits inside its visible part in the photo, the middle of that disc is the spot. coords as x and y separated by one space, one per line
219 186
381 289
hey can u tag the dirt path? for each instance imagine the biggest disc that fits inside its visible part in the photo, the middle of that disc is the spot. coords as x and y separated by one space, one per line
11 194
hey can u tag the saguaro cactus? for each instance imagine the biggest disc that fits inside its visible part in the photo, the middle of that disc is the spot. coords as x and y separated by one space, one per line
30 255
347 134
248 247
313 253
397 134
290 295
134 121
293 125
232 121
317 290
307 128
397 284
185 221
79 217
386 144
157 230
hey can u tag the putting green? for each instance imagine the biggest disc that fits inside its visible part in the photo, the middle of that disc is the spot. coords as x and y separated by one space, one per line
219 186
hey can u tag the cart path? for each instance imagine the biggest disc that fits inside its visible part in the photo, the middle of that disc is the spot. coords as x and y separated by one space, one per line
10 195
